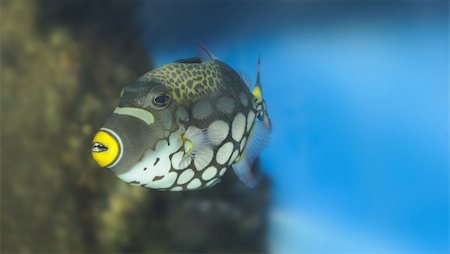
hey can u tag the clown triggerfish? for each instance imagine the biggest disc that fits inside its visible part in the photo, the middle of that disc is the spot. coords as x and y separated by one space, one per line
181 126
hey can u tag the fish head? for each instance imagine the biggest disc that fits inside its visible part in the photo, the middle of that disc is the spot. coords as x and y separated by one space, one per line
140 129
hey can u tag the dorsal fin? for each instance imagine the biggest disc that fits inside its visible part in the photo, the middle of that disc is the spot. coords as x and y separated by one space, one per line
189 60
203 52
257 91
258 72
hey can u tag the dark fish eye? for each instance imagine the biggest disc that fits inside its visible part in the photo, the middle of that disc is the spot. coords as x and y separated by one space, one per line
161 100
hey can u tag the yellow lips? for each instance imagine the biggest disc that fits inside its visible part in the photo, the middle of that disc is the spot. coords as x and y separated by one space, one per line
105 149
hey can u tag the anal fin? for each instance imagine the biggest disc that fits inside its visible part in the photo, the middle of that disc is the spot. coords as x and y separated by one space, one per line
257 141
243 170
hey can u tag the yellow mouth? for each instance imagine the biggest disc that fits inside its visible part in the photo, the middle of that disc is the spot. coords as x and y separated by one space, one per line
105 149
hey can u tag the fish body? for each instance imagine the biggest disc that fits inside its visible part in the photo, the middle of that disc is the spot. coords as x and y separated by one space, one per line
183 125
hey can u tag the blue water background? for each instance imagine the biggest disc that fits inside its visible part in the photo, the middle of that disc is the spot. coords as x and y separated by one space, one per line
358 96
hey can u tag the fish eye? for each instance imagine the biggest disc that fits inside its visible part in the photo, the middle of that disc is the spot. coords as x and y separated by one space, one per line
161 100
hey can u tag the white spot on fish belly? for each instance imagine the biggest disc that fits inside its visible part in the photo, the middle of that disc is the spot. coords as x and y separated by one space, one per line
178 162
238 127
186 176
167 181
233 157
176 188
209 173
212 182
250 120
203 158
194 184
218 131
222 171
224 152
156 163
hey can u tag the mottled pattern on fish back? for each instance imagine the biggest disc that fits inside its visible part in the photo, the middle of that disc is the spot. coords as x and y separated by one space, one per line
189 81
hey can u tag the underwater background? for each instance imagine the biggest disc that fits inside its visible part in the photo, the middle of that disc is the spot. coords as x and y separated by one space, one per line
358 96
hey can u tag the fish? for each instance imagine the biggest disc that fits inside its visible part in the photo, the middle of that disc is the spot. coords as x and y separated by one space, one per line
182 126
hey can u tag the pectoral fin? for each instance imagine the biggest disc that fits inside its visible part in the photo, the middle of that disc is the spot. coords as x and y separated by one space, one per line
195 142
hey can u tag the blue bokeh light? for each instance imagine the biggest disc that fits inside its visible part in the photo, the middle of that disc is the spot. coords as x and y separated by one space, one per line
359 104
